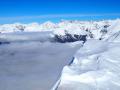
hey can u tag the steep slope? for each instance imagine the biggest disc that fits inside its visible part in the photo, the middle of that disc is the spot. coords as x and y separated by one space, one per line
95 67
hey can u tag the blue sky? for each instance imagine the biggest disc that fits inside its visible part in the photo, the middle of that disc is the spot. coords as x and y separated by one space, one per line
27 11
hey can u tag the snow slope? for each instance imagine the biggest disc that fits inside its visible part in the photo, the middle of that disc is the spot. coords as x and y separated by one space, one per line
95 66
30 60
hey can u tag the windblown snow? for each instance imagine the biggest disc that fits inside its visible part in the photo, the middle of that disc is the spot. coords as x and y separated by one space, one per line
69 55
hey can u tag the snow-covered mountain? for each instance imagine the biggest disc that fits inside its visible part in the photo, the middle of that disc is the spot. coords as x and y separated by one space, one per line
32 27
95 65
68 31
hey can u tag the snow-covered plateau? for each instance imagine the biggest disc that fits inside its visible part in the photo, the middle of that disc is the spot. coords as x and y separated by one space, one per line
69 55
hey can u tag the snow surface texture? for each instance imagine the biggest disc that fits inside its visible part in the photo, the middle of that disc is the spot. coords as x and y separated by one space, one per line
30 60
96 66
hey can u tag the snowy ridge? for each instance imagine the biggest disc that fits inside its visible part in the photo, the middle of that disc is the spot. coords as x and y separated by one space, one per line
96 65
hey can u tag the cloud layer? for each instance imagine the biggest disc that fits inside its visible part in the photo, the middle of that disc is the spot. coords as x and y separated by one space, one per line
56 16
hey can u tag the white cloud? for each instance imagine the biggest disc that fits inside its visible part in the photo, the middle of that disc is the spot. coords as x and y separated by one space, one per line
56 16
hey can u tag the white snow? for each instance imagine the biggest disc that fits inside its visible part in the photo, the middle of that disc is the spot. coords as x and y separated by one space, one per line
32 62
96 67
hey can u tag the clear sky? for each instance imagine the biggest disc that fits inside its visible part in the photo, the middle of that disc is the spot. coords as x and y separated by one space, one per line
26 11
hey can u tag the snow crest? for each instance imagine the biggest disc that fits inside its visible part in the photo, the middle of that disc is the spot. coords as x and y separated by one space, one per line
95 67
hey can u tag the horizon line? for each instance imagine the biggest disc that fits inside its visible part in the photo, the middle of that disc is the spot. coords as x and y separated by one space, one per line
57 16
